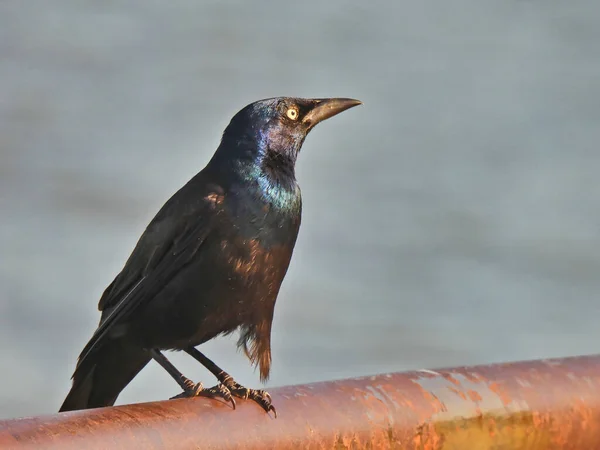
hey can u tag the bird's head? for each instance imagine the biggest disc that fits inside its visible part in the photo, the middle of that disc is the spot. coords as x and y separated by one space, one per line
276 128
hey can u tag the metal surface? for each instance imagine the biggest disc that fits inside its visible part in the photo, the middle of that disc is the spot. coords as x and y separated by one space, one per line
549 404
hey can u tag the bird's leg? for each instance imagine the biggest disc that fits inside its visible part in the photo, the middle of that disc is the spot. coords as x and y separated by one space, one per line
185 383
259 396
189 388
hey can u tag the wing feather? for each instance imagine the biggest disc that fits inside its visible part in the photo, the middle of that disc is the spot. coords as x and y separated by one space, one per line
169 243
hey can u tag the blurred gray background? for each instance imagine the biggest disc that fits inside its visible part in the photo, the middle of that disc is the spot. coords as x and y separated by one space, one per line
452 219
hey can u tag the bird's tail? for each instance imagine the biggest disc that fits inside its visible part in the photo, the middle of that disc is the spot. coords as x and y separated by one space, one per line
100 378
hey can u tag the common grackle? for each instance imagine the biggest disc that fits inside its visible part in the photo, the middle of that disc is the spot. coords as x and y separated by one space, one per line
210 262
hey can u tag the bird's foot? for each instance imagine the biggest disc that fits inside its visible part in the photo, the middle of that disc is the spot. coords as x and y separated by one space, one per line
263 398
198 390
191 389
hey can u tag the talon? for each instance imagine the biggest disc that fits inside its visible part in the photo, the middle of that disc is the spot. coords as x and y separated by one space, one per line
218 392
229 388
226 393
232 401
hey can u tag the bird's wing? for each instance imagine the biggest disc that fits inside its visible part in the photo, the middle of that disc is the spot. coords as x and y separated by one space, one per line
169 243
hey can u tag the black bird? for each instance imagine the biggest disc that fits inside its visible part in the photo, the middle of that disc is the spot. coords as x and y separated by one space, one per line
210 262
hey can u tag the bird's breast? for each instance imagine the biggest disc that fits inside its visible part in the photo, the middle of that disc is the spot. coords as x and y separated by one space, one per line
249 260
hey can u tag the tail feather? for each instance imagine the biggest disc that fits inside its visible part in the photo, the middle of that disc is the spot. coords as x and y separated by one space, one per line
101 377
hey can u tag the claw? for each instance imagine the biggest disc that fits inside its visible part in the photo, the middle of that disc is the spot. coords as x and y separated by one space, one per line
263 398
220 391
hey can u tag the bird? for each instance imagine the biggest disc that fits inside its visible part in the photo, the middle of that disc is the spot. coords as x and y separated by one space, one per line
211 262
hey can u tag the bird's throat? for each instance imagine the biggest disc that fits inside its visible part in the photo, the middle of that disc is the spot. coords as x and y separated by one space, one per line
273 181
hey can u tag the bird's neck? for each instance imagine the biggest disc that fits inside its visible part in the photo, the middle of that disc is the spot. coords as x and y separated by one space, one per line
273 180
267 175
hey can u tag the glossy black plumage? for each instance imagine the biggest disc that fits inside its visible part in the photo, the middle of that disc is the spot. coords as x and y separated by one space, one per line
212 260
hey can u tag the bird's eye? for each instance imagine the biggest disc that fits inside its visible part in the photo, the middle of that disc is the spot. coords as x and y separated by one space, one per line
292 113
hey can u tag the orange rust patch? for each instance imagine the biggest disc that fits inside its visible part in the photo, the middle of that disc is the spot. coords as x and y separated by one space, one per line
452 380
474 396
458 392
427 438
428 396
538 419
502 395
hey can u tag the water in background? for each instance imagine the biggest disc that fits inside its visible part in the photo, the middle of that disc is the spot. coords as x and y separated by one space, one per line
452 219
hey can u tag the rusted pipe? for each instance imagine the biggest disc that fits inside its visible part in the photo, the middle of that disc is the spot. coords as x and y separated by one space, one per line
548 404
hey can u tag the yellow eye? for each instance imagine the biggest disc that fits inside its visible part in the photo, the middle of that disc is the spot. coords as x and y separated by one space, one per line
292 113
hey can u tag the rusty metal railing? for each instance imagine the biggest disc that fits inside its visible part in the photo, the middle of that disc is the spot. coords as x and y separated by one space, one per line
548 404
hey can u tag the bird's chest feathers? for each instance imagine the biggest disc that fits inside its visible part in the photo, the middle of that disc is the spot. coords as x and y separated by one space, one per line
252 263
264 211
258 251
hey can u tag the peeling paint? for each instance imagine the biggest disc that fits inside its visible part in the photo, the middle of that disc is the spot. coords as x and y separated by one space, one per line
535 405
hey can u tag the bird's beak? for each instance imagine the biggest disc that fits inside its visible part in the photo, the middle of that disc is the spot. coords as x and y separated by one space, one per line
328 107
